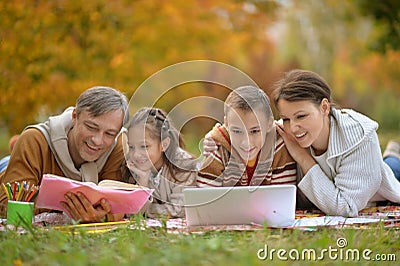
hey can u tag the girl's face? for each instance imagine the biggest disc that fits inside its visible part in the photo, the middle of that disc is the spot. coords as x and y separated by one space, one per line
145 151
307 122
247 130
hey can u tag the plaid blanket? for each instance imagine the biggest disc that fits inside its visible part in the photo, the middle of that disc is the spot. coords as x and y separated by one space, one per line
384 216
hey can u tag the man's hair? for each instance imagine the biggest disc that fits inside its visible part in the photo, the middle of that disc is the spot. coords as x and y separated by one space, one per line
247 98
101 100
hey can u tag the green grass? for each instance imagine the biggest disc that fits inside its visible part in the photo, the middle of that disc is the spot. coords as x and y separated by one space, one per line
154 246
385 136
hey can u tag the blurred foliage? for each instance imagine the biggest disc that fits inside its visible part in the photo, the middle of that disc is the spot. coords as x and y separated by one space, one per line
51 51
330 37
386 15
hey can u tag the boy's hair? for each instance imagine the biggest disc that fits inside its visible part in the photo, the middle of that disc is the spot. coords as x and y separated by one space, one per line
247 98
160 127
101 100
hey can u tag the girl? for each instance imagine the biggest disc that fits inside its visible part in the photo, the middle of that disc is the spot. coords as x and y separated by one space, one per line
337 150
157 160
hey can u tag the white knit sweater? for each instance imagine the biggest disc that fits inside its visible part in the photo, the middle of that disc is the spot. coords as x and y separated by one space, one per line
357 173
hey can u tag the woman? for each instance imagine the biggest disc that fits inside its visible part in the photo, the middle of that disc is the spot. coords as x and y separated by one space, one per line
337 149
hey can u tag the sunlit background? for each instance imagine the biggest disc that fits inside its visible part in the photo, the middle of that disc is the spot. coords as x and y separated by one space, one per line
51 51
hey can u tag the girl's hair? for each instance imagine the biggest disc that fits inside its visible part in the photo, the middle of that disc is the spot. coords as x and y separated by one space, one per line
301 85
247 98
160 127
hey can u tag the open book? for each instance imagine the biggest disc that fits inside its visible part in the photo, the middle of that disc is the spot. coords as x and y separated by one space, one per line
123 197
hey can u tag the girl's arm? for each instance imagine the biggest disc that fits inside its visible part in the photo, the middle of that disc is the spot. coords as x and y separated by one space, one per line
175 205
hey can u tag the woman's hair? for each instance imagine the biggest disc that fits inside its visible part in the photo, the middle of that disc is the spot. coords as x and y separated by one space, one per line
160 127
301 85
101 100
247 98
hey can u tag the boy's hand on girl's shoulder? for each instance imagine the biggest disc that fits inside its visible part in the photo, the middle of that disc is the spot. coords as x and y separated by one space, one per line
209 145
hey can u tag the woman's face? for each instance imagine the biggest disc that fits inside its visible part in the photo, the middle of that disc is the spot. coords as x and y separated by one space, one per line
307 122
145 152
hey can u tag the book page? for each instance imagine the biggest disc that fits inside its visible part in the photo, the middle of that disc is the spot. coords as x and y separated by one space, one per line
114 184
53 188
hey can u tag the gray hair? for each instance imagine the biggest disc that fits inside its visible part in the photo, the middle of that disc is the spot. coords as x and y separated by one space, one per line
101 100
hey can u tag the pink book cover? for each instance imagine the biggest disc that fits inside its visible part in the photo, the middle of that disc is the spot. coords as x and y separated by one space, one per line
53 188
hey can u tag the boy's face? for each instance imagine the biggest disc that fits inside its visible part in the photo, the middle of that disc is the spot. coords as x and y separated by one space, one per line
247 130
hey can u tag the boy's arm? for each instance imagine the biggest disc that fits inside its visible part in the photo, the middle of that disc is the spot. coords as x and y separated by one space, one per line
214 163
210 172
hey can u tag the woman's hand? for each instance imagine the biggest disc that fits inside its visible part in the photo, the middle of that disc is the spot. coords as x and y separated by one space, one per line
298 153
292 145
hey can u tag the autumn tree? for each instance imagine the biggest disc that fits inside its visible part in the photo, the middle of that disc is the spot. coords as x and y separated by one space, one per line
51 51
331 37
386 15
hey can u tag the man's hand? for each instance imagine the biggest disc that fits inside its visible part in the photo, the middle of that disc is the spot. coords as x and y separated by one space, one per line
80 209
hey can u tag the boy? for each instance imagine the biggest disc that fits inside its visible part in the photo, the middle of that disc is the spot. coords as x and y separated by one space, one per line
250 151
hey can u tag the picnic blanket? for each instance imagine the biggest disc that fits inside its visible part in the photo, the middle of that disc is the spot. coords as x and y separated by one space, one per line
383 216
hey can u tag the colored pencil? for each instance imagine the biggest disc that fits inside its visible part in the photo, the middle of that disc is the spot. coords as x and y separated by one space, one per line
9 190
6 190
15 190
33 190
20 188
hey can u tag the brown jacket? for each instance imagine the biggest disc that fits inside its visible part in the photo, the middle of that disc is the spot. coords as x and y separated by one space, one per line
32 157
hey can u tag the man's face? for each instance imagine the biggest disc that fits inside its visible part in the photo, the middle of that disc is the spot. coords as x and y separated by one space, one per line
92 136
247 130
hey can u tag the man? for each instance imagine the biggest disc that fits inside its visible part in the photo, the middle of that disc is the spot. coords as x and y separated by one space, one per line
83 143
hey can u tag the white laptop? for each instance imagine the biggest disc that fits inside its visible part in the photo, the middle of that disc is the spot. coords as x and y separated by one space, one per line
273 205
